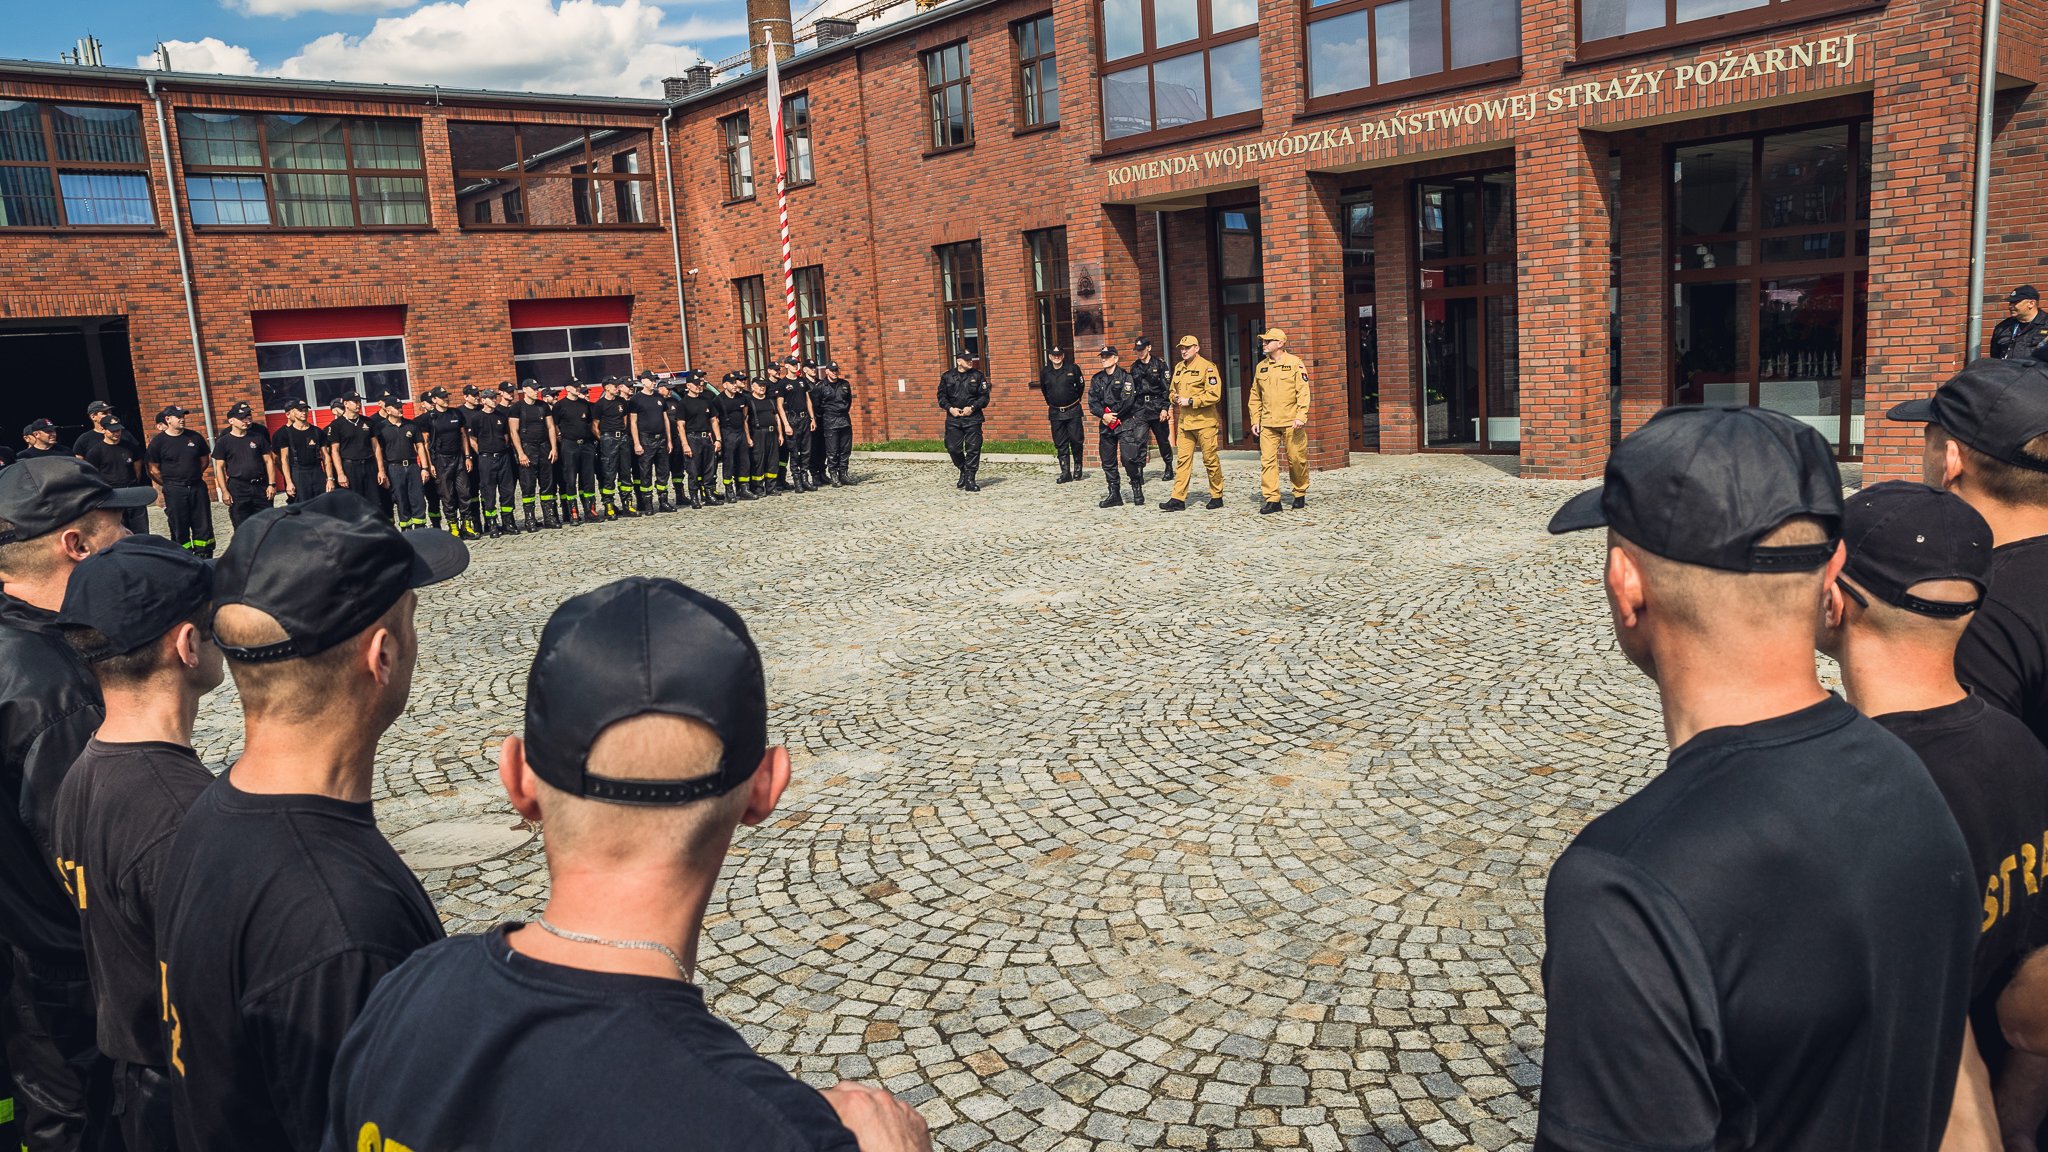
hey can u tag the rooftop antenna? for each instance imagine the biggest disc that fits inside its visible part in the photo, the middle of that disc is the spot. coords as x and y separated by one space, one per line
163 57
86 51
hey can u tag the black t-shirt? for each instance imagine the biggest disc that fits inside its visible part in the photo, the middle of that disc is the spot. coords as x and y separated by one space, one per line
277 917
492 428
732 412
400 441
653 415
611 416
351 438
39 453
116 814
1768 946
114 462
696 413
91 436
300 447
795 395
180 458
242 456
761 413
449 1050
572 419
2003 656
533 424
444 431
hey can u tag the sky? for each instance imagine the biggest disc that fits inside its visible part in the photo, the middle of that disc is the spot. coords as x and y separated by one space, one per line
600 47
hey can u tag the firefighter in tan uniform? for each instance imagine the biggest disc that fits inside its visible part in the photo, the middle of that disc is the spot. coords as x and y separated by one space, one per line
1196 392
1279 411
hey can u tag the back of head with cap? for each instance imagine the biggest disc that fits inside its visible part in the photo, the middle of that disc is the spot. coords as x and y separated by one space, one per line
54 512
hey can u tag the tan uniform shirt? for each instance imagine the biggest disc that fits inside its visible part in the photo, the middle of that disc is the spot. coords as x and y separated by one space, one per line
1196 382
1279 394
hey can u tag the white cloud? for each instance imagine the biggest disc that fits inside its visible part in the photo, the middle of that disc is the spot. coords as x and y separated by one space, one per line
210 54
301 7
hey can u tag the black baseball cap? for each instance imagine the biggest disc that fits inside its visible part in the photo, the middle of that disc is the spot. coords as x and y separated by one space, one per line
639 645
2023 292
97 407
1702 486
325 570
1055 351
35 426
1900 534
1994 406
133 591
298 406
241 411
830 365
113 424
471 390
1108 350
1142 342
39 496
168 411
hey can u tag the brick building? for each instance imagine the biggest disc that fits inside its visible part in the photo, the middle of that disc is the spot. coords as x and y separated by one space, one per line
1486 226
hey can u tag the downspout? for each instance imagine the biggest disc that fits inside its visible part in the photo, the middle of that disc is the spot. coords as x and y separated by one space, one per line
1981 210
1165 316
163 134
675 235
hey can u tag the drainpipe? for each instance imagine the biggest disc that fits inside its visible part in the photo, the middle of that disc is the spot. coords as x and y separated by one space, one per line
1982 208
675 236
163 134
1165 317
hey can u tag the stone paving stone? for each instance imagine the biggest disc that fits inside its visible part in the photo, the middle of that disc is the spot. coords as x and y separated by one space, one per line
1111 827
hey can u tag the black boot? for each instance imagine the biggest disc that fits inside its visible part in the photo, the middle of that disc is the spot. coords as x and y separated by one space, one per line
971 485
665 504
1138 495
510 527
550 515
1066 471
527 522
1115 499
696 495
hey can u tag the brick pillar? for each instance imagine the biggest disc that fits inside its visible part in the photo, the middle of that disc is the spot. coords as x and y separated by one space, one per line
1562 238
1645 301
1106 278
1188 287
1301 227
1923 126
1394 281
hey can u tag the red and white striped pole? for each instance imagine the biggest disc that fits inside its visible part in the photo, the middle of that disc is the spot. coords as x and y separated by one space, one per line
782 190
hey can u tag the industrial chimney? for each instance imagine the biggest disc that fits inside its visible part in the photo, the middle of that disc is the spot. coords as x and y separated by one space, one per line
768 21
832 29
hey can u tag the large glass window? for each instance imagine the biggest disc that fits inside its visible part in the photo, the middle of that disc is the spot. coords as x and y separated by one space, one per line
948 83
753 301
1173 66
1612 27
551 175
737 138
554 356
72 166
1038 77
796 138
322 371
1471 373
960 289
810 313
1361 46
1769 275
1052 312
251 169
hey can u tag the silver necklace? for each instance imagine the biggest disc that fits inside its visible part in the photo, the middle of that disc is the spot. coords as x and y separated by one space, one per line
631 945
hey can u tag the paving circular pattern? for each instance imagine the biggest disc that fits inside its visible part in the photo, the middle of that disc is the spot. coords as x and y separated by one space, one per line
1109 828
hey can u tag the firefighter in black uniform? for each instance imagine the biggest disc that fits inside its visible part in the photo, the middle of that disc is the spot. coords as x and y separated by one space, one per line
496 477
963 393
614 450
1060 383
244 466
737 454
697 428
352 449
670 389
177 466
834 403
534 441
302 454
799 417
764 437
1122 432
114 454
470 406
576 432
2025 332
98 413
648 420
450 456
1151 374
403 452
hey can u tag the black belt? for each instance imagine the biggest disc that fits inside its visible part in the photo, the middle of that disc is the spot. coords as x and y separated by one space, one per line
611 435
1064 407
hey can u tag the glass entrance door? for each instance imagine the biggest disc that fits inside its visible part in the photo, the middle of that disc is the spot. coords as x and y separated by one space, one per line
1470 384
1241 307
1361 325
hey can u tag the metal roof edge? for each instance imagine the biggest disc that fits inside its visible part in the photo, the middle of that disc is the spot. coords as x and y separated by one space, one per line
818 56
432 93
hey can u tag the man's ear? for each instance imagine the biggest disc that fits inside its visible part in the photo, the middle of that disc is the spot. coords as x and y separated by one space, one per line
764 791
1625 591
380 656
1951 463
521 785
185 642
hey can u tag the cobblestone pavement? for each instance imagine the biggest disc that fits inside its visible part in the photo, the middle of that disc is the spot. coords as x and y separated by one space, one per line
1110 828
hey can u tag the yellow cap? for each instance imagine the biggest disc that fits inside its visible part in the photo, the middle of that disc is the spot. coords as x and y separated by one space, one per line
1273 334
1185 341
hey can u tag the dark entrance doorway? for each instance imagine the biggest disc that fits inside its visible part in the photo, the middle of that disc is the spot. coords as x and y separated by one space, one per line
1240 310
54 368
1465 249
1361 324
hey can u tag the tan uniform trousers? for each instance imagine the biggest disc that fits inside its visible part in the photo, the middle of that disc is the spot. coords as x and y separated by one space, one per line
1194 440
1270 440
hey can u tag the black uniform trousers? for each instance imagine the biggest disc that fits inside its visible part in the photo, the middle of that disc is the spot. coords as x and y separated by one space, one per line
190 512
797 454
495 474
1066 432
142 1108
1127 443
307 481
650 468
61 1084
362 480
408 493
614 465
245 499
767 455
963 443
451 481
838 448
1162 435
579 471
739 458
700 467
536 479
679 465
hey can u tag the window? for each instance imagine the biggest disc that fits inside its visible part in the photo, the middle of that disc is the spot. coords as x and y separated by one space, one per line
810 314
480 212
72 166
551 175
253 169
320 354
586 339
960 288
796 138
1038 75
1052 313
1615 27
1176 66
739 157
753 323
946 83
1390 46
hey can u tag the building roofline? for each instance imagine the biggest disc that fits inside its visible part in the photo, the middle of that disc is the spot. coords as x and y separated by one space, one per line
804 61
430 93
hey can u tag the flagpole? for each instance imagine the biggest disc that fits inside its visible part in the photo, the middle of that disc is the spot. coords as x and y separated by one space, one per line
782 189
